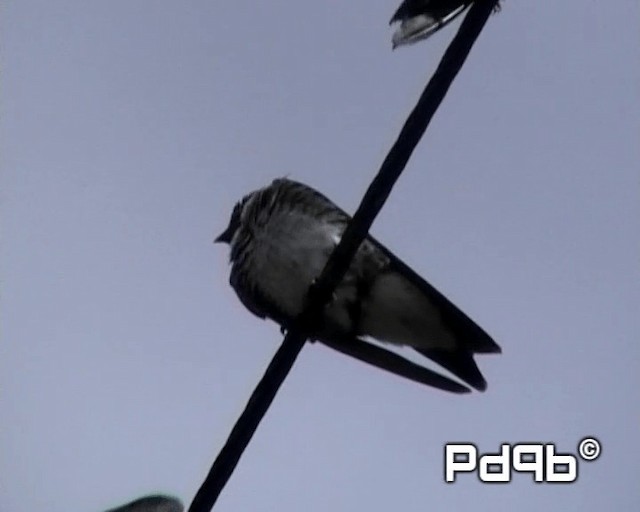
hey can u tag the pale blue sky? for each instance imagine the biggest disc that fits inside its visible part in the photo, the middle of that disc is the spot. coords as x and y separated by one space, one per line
130 128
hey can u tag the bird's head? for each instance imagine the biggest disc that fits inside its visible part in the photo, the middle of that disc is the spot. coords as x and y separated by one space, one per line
251 213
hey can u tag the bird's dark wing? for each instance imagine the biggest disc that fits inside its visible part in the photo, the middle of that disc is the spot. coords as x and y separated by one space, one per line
394 363
470 337
470 334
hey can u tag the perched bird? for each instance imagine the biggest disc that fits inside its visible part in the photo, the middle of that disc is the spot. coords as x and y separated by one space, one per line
421 18
281 236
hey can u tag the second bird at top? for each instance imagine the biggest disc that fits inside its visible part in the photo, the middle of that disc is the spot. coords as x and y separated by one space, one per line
421 18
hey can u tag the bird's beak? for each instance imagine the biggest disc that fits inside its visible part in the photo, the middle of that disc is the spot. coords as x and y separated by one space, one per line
225 236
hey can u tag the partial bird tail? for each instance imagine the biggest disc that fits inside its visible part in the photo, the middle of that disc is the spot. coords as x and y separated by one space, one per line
459 362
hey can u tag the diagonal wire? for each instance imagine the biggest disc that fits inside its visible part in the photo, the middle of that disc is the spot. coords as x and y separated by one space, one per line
338 263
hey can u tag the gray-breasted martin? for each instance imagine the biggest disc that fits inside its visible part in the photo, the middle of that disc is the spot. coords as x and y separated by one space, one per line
281 236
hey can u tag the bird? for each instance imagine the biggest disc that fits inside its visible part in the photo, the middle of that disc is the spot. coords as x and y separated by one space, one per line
280 238
420 19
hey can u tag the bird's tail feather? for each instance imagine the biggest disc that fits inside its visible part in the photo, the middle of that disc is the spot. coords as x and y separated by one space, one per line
460 363
392 362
